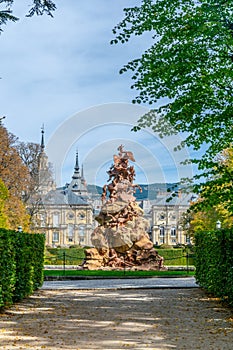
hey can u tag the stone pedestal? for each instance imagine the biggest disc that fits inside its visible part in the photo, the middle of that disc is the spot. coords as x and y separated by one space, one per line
121 239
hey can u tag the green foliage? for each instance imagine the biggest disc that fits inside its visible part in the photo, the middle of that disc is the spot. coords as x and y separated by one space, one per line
188 72
6 14
214 261
29 263
218 188
21 265
7 267
38 7
41 7
3 196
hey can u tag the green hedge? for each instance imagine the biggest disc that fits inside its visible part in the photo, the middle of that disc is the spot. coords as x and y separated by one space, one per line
21 265
214 262
7 267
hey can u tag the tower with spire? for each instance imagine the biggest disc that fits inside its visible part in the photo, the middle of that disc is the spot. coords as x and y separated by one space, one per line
46 181
78 184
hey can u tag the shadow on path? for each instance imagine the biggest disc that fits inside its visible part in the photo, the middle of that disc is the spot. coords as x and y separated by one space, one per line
117 319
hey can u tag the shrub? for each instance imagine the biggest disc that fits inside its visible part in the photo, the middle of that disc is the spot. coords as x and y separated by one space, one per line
214 262
21 264
7 267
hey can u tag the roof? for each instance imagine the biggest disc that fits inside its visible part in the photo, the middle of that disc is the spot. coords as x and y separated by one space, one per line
63 197
183 199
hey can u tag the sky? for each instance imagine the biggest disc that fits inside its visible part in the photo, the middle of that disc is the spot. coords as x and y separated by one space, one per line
62 73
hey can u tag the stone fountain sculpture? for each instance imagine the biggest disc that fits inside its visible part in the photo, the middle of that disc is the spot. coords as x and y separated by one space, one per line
121 240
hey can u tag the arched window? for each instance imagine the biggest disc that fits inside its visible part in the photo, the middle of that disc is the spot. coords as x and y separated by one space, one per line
162 231
173 231
70 233
55 237
55 219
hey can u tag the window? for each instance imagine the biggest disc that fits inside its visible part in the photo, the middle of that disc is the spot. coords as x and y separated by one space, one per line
81 216
161 231
161 216
56 219
173 232
55 237
43 220
70 215
81 233
70 233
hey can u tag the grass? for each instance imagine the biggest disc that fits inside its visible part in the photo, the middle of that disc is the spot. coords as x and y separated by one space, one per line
75 256
120 273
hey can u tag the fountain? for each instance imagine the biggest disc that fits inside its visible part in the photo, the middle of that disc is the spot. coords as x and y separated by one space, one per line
121 239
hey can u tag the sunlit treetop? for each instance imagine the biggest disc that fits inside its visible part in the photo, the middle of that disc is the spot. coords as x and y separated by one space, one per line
190 63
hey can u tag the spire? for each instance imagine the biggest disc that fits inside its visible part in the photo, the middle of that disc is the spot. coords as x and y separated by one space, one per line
46 182
78 183
76 163
76 168
42 145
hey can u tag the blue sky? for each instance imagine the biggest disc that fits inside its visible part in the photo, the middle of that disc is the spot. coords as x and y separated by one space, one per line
62 72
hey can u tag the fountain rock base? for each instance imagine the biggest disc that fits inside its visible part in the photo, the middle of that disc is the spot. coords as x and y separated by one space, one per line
121 240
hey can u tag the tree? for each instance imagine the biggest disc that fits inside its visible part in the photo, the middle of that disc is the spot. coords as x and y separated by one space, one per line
3 197
16 179
190 64
38 7
41 176
204 213
217 191
206 219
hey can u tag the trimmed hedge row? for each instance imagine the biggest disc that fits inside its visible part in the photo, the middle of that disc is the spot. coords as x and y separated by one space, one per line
214 262
21 265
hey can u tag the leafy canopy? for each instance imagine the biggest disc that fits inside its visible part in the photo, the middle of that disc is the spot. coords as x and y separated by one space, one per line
14 181
189 65
218 189
190 62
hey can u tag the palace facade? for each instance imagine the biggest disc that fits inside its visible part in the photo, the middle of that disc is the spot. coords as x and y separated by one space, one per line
167 218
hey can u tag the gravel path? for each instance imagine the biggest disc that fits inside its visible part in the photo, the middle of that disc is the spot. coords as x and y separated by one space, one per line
153 319
123 283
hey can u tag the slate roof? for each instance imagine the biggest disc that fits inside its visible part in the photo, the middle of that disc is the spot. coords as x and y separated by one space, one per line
61 197
181 200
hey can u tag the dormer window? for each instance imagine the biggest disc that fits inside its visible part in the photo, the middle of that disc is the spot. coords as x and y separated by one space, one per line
70 215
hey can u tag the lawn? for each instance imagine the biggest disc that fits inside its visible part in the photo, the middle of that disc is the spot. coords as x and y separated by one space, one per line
119 273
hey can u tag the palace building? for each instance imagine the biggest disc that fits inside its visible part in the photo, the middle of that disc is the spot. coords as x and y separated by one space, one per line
167 219
65 214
